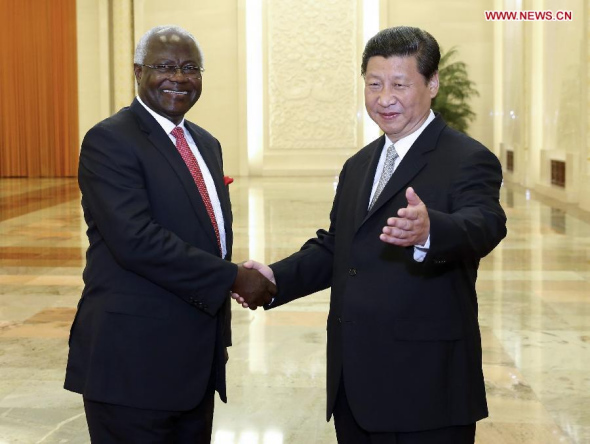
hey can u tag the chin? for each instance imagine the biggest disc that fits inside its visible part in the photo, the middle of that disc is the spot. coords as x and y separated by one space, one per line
177 111
387 129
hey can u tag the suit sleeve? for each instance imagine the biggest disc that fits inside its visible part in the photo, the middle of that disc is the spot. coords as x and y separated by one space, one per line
476 222
115 198
310 269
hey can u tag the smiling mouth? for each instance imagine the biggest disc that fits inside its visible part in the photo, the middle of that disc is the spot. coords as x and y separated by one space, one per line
175 93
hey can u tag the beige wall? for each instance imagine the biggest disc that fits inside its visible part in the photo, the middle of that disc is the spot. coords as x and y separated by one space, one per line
545 105
122 48
514 92
93 63
311 86
105 59
462 24
105 51
585 160
533 78
311 81
214 23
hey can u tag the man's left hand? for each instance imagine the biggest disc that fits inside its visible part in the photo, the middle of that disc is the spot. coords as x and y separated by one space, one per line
411 227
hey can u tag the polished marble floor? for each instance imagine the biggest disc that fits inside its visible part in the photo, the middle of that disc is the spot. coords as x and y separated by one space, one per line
534 293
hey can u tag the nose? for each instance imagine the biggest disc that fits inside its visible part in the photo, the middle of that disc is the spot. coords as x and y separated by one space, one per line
178 75
387 97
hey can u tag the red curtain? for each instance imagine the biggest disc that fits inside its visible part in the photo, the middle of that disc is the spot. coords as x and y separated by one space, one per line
38 88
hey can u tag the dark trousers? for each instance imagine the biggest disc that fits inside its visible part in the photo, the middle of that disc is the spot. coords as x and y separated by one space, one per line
349 432
115 424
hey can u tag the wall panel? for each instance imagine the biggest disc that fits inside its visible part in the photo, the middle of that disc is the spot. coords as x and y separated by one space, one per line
311 85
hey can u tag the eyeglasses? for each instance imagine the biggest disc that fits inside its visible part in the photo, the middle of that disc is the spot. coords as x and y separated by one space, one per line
189 71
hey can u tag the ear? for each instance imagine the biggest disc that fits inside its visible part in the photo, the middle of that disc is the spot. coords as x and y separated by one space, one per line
138 70
433 85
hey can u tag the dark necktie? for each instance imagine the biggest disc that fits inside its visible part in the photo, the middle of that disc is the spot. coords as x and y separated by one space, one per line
195 170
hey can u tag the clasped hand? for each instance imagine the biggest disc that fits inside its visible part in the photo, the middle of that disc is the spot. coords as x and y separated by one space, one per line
253 288
263 273
255 283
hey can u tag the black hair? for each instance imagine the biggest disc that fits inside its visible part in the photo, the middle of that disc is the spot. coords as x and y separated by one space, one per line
404 41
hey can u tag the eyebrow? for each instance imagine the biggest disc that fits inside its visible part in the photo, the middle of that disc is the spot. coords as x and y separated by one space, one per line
400 77
165 61
396 77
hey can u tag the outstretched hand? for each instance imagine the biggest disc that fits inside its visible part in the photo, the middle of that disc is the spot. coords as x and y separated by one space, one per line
258 268
411 227
253 287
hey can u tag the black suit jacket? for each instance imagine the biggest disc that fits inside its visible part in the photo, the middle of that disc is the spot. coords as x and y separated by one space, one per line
154 316
405 334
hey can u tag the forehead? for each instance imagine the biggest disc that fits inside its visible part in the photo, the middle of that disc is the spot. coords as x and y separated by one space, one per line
394 66
172 45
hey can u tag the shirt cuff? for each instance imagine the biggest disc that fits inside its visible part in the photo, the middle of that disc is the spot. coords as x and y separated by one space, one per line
420 251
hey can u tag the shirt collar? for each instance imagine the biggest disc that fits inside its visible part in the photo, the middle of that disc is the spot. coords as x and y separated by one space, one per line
403 145
166 124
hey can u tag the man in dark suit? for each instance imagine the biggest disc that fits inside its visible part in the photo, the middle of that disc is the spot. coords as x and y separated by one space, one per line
414 213
148 344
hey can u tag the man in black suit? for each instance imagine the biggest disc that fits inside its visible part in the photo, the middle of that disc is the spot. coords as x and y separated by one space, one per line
414 213
148 344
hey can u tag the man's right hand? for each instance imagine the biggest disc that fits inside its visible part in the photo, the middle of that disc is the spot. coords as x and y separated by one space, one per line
253 288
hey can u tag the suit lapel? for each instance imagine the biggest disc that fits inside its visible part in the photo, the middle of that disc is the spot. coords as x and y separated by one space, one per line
411 165
413 162
368 166
158 137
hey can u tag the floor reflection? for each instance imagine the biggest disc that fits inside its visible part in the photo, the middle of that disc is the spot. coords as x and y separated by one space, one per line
247 437
534 298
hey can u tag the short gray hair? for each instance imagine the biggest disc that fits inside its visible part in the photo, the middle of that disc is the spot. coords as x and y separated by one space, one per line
141 50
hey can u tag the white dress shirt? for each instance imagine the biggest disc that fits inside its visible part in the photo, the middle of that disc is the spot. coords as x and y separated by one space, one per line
402 146
168 126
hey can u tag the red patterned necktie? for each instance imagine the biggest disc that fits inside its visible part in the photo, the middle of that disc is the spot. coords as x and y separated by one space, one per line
195 170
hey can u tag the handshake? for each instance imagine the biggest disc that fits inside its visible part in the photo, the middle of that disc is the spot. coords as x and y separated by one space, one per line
254 285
